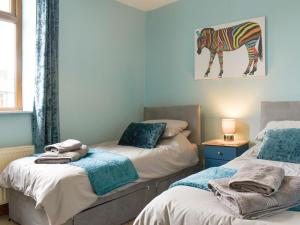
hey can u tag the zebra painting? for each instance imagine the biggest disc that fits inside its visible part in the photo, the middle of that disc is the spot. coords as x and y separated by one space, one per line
231 38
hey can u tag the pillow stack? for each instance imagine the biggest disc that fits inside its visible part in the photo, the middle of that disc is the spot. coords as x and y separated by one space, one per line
274 125
173 127
148 133
142 135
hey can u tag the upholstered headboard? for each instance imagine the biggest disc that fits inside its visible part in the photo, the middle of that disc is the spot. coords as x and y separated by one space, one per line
189 113
276 111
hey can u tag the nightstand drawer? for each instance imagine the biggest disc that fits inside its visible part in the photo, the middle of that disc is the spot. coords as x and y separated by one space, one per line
214 162
220 152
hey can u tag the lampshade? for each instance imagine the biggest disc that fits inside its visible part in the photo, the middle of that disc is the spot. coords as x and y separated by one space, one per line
228 126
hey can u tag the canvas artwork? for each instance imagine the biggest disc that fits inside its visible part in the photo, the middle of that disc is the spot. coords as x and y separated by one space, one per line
239 48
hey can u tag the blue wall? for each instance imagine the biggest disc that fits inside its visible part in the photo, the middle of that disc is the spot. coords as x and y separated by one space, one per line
101 70
170 60
102 67
15 129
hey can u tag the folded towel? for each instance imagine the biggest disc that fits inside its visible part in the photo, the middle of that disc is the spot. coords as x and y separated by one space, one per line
65 146
60 158
249 205
258 178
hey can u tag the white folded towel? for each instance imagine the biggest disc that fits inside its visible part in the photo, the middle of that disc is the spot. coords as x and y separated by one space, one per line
60 158
65 146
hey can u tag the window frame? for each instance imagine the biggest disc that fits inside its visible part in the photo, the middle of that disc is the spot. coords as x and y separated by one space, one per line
15 16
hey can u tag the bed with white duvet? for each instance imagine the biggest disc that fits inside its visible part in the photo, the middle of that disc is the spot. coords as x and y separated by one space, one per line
61 184
64 194
185 205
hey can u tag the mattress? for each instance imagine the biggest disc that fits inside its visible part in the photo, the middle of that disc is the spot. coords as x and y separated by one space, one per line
68 186
187 205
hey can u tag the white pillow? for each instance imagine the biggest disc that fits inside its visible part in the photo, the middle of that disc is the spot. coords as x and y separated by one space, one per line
277 125
186 133
173 127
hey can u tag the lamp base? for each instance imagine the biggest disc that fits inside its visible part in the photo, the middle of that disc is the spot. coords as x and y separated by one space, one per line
228 137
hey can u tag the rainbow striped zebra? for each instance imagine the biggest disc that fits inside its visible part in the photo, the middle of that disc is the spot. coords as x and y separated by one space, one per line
230 39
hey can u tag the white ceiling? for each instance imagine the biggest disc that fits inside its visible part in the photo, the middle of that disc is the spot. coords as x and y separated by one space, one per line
146 5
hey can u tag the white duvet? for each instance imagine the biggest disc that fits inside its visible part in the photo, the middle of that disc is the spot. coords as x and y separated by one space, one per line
64 190
184 205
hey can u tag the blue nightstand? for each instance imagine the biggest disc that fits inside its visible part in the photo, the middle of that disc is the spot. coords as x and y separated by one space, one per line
219 152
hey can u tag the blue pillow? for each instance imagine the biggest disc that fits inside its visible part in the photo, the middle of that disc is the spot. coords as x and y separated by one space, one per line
281 145
142 135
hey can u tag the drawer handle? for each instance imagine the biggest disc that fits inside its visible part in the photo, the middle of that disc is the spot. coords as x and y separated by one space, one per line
220 153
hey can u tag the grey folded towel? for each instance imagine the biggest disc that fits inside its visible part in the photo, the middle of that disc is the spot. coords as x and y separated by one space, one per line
249 205
65 146
60 158
258 178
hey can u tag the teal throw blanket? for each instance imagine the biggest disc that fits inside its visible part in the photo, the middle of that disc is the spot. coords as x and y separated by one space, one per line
200 180
107 171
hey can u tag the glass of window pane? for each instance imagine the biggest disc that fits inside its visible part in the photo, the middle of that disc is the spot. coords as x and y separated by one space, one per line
7 64
5 5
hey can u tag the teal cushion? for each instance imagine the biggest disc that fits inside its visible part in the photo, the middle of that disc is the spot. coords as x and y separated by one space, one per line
142 135
281 145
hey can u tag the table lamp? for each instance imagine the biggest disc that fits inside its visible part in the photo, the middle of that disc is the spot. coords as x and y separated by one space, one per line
228 128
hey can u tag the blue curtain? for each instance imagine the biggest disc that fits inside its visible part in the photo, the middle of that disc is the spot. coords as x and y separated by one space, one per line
45 120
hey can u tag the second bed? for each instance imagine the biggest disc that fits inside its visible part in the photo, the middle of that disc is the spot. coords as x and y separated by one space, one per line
50 194
185 205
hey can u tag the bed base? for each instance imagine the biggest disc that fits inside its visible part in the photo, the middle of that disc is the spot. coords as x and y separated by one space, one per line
117 207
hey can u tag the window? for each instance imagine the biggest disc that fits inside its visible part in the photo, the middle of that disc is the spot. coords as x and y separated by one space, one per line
10 55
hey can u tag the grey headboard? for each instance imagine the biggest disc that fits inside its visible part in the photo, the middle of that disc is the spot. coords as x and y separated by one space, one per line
275 111
189 113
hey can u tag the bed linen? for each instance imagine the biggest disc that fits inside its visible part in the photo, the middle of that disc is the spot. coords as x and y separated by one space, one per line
65 190
187 205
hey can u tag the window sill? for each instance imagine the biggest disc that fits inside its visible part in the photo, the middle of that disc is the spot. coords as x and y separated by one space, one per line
14 112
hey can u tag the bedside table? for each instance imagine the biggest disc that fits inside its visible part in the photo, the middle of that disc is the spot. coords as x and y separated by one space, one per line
219 152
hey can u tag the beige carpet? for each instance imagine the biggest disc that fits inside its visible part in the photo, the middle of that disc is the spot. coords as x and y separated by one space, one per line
4 221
